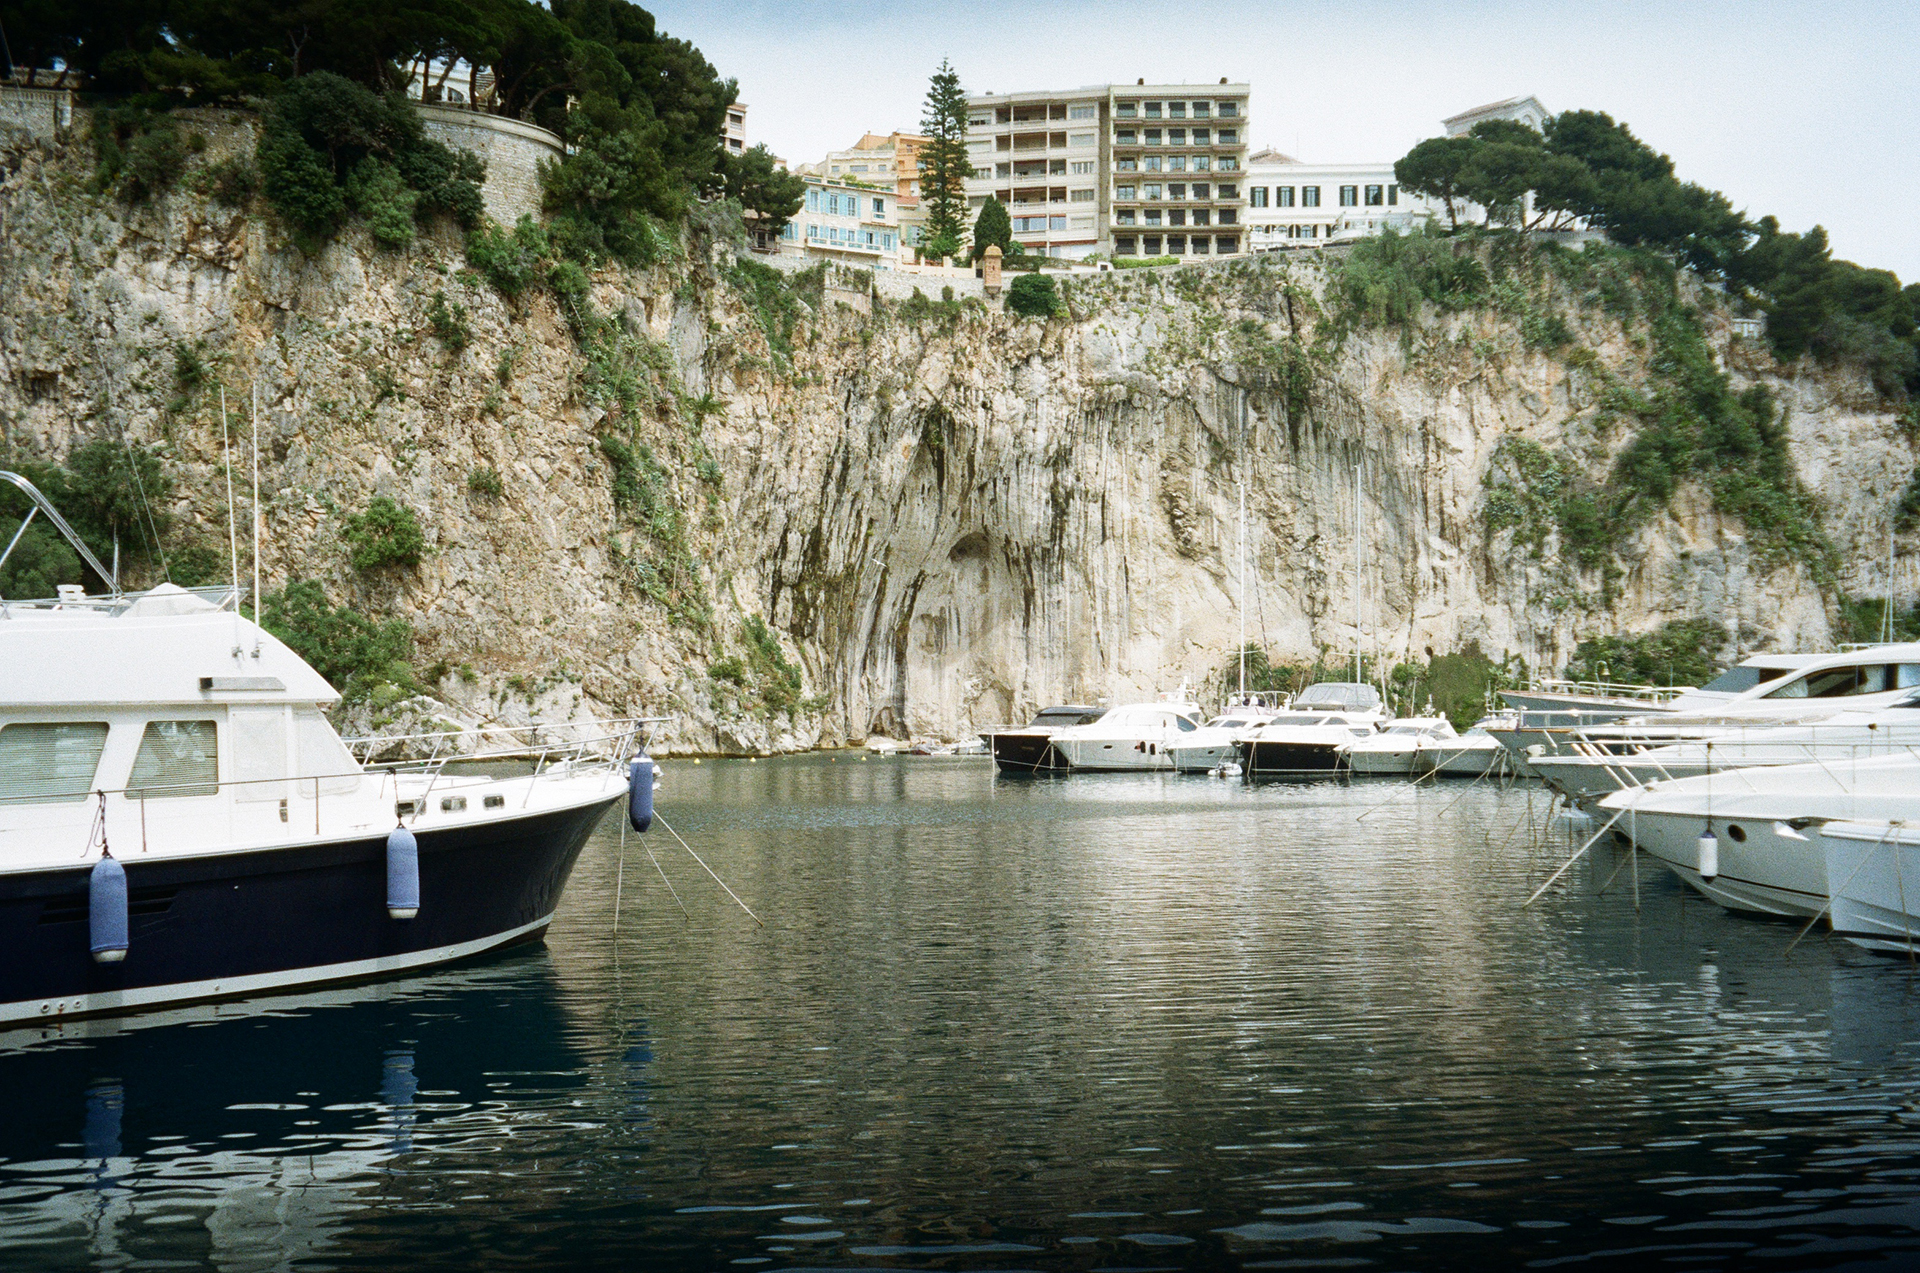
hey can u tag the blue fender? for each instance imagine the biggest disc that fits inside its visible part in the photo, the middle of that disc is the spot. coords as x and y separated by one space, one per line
107 910
640 792
403 874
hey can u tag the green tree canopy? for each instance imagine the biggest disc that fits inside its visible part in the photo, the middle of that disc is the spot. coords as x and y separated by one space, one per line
763 189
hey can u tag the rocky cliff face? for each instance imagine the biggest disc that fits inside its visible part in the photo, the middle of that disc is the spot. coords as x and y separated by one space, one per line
945 515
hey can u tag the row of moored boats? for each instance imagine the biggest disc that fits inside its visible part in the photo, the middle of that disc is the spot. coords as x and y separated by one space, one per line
1329 727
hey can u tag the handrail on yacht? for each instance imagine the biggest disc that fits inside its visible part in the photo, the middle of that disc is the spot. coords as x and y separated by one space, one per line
42 504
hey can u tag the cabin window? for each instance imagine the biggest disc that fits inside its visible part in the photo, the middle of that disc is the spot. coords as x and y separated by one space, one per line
1839 682
50 763
320 754
176 758
257 746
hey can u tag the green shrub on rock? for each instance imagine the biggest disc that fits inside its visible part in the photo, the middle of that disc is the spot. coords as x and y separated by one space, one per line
1033 296
387 534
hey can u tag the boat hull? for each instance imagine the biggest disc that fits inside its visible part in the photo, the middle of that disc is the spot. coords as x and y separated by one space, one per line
1288 758
1018 752
1773 870
1114 755
1876 890
1200 759
1382 764
228 924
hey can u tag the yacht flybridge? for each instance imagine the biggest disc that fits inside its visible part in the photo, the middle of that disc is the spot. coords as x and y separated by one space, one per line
178 820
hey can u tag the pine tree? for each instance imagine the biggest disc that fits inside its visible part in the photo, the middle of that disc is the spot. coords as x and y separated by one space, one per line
994 226
944 162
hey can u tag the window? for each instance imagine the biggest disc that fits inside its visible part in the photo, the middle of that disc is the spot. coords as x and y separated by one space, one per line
51 762
1376 197
1200 137
1126 110
1176 110
1202 162
1153 136
1152 244
1080 167
1123 245
1056 168
813 200
1080 196
1082 139
1393 196
176 758
857 168
1199 245
879 207
1083 110
1176 216
1229 137
1349 196
1056 223
1200 190
1176 245
1228 110
1176 163
790 232
1176 191
1153 216
1227 163
1200 109
1309 196
1200 216
1124 217
978 121
1152 191
1153 163
1126 165
1125 137
1123 192
1229 216
983 174
1153 110
1226 190
1226 244
1176 137
1283 196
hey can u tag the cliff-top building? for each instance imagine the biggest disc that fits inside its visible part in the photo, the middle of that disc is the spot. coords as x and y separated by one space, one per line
1122 170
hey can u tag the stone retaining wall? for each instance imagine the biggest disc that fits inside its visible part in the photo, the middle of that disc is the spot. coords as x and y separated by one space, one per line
42 112
512 148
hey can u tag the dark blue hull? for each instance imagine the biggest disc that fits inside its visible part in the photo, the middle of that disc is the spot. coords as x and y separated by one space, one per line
246 923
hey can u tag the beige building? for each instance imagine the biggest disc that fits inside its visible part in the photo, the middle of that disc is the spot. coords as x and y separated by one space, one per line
886 159
1121 170
733 133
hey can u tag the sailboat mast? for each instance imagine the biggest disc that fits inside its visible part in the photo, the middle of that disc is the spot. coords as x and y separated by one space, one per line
1243 592
1356 573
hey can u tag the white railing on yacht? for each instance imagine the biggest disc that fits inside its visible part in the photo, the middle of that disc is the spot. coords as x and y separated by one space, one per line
1607 689
573 742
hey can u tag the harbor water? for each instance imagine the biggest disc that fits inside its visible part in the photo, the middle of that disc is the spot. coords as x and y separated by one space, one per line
1098 1022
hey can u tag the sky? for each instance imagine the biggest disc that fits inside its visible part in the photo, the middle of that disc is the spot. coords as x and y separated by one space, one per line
1808 112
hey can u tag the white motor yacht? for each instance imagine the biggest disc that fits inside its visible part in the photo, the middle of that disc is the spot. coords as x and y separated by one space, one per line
1398 750
1855 681
1218 741
1133 736
1473 754
1766 854
1308 736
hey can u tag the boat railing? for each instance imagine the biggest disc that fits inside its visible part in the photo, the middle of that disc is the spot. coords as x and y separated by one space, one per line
1607 689
548 742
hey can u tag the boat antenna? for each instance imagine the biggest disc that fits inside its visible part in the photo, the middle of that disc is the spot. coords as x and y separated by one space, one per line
256 523
233 536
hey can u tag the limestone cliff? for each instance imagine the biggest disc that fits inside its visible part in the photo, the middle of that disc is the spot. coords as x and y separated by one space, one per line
944 514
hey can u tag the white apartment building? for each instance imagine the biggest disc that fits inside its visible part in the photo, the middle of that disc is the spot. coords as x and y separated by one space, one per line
1125 170
1292 204
733 133
842 221
1525 110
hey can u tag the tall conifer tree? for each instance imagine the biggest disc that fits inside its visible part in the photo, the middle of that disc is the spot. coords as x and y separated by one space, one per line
944 163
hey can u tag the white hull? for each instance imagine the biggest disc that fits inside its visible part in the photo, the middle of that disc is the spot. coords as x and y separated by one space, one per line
1876 887
1466 762
1201 759
1776 870
1113 754
1381 764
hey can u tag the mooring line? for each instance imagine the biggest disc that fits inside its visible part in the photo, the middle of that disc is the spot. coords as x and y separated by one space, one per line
709 870
1575 858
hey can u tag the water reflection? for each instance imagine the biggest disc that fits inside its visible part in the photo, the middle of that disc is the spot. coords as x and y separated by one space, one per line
1114 1021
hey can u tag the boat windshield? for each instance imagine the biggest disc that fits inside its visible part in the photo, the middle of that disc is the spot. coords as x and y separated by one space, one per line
1843 682
1063 716
1227 722
1345 695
